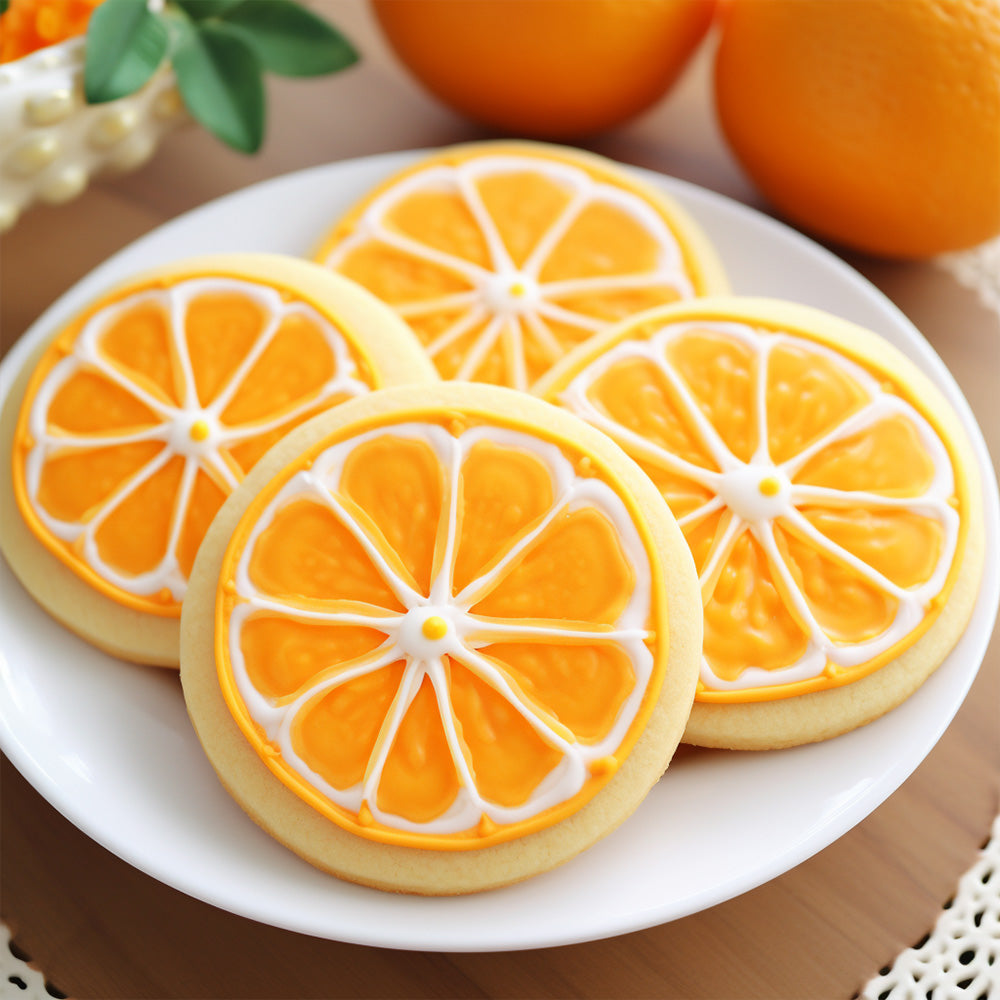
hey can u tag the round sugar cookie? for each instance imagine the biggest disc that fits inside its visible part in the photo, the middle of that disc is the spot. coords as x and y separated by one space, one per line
828 493
125 432
441 639
503 256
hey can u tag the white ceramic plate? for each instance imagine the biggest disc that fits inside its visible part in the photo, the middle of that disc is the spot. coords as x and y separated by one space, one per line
110 745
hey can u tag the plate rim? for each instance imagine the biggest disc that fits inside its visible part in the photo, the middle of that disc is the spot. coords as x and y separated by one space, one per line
917 347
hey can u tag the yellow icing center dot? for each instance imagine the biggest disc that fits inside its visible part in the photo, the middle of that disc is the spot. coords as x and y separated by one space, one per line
199 430
517 289
769 486
435 627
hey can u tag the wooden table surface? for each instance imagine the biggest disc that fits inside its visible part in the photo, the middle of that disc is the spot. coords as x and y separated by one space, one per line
99 928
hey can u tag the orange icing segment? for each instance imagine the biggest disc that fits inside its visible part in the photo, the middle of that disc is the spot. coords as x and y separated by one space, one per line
808 395
577 571
134 536
306 552
282 654
720 373
397 277
140 345
637 397
504 492
148 409
747 619
507 771
583 686
900 544
440 220
886 458
515 629
220 329
419 781
337 733
76 482
396 484
523 206
847 607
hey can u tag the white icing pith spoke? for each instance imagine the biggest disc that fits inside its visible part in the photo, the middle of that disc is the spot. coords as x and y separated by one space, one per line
94 442
487 629
551 237
116 499
709 507
236 379
717 449
354 613
514 349
332 676
389 654
181 503
403 591
409 685
473 273
839 553
606 283
860 420
458 329
655 454
720 552
436 673
164 410
238 433
483 585
571 318
441 303
440 591
181 350
543 336
802 494
477 354
217 469
764 533
763 454
494 241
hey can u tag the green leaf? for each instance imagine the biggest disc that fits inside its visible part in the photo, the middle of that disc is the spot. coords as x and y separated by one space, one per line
4 4
125 44
288 39
219 78
199 10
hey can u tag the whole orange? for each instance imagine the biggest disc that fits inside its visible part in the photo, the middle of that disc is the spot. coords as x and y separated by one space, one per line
874 123
546 68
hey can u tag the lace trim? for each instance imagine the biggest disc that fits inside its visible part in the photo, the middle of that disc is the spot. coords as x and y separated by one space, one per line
978 269
960 958
18 979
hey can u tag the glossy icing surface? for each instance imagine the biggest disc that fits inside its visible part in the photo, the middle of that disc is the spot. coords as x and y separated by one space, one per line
501 262
148 410
440 633
820 504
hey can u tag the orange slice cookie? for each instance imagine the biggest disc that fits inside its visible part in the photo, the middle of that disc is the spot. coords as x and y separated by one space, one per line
126 432
504 256
827 492
441 639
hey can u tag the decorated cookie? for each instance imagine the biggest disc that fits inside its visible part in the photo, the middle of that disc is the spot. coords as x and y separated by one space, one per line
503 256
827 492
441 639
125 433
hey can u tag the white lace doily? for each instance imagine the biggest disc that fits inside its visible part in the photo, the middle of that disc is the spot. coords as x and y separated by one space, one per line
18 979
979 269
960 958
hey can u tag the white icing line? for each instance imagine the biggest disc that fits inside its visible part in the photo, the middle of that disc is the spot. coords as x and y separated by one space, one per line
449 262
379 619
709 507
571 287
477 353
470 195
543 336
460 327
259 346
441 586
515 350
563 315
442 303
551 237
485 631
719 554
